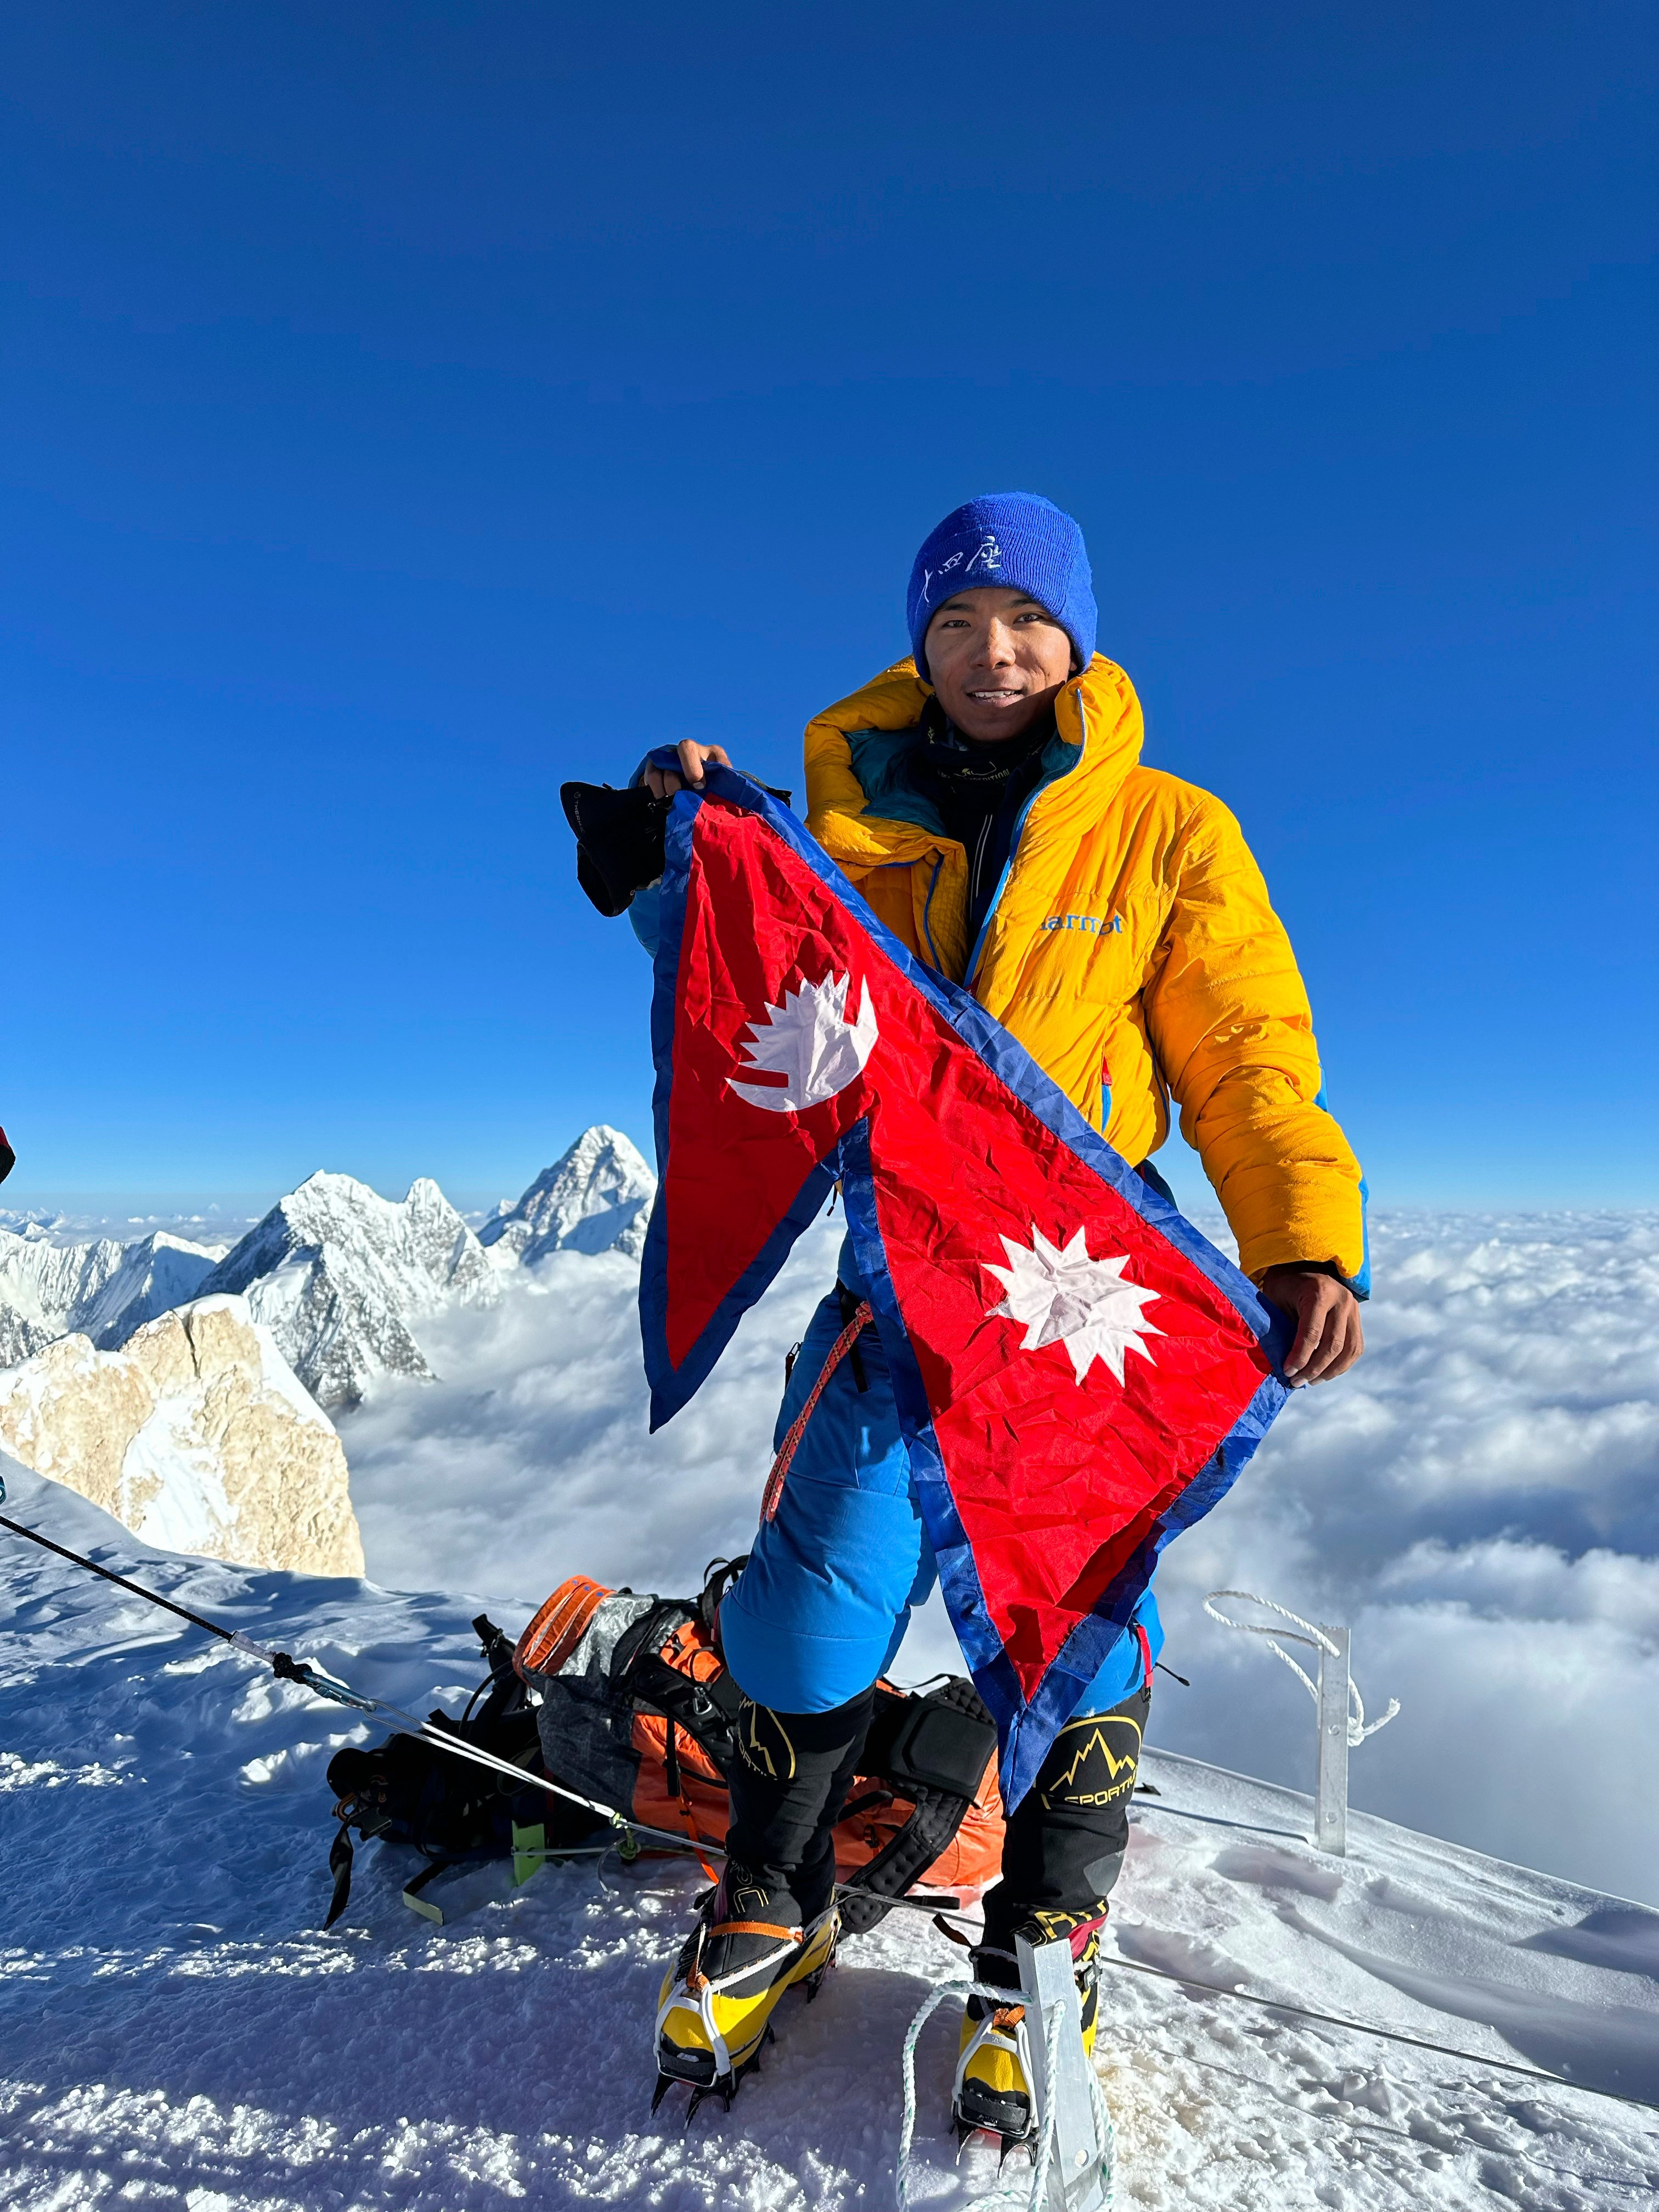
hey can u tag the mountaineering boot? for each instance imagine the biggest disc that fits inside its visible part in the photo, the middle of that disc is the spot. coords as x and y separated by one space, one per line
771 1922
751 1943
1062 1852
991 2092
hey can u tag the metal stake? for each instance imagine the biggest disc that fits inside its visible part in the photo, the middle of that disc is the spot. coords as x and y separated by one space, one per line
1331 1804
1048 1978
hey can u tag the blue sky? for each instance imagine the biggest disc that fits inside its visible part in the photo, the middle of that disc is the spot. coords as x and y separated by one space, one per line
406 408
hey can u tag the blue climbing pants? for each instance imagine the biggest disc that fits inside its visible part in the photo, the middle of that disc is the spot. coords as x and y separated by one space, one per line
821 1608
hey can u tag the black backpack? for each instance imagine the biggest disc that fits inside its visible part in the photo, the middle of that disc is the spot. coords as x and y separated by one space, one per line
408 1791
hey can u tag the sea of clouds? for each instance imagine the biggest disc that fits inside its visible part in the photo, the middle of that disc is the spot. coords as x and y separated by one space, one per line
1479 1501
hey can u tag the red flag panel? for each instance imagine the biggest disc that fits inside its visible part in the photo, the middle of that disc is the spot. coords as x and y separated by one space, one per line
1079 1367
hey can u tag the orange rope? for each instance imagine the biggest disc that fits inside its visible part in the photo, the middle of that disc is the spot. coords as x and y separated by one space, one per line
698 1840
838 1352
686 1814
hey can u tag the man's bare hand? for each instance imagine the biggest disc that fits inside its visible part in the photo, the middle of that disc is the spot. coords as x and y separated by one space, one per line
1328 1337
663 783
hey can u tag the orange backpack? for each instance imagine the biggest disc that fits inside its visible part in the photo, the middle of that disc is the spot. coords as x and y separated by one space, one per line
637 1710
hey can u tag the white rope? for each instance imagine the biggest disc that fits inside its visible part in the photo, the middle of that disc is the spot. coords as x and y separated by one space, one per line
1316 1638
1035 2196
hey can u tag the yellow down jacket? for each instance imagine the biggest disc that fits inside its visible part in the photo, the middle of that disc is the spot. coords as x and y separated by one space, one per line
1130 947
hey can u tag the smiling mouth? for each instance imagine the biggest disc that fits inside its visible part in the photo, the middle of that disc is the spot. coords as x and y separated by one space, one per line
995 698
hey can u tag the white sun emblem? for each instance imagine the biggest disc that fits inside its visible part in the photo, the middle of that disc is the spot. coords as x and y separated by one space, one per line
810 1040
1063 1296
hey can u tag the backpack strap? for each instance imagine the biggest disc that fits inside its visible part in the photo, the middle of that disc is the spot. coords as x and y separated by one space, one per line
717 1578
339 1865
930 1830
707 1710
933 1750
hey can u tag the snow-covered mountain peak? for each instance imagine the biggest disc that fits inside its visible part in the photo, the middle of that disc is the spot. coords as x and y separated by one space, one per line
422 1235
154 1273
342 1276
596 1198
337 1272
102 1288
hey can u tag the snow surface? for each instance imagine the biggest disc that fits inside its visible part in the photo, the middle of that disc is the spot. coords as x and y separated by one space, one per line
175 2031
1477 1500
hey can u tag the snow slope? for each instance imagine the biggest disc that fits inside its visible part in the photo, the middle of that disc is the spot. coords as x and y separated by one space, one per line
1477 1500
174 2032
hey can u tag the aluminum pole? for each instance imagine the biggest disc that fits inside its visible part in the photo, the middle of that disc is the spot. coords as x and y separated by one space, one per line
1331 1804
1076 2174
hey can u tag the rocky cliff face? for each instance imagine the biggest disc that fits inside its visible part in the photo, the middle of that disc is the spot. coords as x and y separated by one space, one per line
597 1198
196 1435
337 1274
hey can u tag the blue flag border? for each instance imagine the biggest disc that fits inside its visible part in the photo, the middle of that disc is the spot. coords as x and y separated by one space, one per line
1025 1729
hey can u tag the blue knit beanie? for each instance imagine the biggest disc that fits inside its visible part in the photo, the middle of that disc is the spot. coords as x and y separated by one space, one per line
1014 539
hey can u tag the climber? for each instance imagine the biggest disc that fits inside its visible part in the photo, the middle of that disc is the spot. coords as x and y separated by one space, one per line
985 797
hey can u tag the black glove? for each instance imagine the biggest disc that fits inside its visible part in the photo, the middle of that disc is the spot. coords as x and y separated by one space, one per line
619 840
8 1157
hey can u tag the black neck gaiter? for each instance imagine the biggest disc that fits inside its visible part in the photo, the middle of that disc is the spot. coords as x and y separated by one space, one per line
979 790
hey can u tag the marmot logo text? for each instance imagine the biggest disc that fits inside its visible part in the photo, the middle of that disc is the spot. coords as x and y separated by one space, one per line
1090 924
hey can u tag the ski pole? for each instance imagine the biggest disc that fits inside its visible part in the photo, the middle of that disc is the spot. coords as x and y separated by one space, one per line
281 1662
290 1669
286 1668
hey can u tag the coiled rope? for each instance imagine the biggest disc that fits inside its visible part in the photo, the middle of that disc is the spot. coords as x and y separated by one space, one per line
1033 2199
1358 1729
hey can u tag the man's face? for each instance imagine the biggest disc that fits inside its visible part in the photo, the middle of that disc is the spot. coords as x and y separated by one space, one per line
997 659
